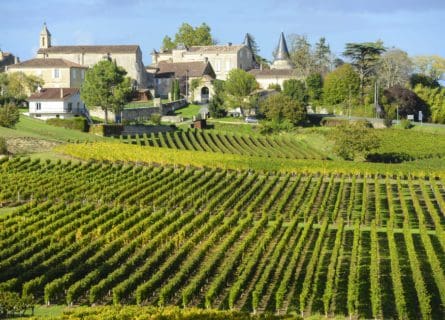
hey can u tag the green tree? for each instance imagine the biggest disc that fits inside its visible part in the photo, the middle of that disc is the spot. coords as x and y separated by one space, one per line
281 107
341 85
9 115
431 66
355 140
188 36
322 56
435 100
239 87
175 91
296 90
364 57
314 84
216 104
17 86
106 86
426 81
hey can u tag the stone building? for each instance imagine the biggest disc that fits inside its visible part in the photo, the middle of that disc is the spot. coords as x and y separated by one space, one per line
280 70
127 56
6 59
56 73
195 79
223 58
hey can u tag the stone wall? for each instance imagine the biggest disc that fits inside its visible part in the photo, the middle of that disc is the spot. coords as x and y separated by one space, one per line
173 106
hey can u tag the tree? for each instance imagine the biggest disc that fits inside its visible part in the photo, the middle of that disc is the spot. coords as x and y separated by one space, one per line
341 85
106 86
296 90
354 140
216 104
394 68
431 66
9 115
405 100
434 99
426 81
281 107
17 86
189 36
255 51
322 56
314 84
301 55
364 57
175 90
239 86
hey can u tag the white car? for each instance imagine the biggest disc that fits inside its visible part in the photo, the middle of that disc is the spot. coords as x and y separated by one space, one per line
250 119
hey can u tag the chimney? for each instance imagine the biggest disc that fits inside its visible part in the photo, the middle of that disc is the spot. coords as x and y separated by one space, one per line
61 93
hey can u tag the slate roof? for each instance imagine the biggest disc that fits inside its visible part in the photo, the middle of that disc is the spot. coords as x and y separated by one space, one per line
53 94
266 73
91 49
282 52
46 63
179 69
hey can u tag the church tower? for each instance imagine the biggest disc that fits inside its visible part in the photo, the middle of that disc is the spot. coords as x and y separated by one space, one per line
282 58
45 37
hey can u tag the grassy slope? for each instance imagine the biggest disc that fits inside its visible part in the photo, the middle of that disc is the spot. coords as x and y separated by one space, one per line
189 111
29 127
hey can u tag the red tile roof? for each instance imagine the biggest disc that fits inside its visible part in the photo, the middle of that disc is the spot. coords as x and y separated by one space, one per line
46 63
91 49
53 94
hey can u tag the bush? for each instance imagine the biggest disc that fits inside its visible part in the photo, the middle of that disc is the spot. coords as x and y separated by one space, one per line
9 115
353 140
406 124
3 146
107 129
155 118
389 157
77 123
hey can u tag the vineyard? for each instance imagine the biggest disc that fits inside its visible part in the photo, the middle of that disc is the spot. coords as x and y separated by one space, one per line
362 245
195 140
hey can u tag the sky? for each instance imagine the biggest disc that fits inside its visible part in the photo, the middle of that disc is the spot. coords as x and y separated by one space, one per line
415 26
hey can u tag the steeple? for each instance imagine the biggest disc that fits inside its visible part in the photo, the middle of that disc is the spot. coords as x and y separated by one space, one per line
282 58
282 52
248 41
45 37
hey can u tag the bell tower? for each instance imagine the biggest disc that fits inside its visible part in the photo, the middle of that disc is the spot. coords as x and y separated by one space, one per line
45 37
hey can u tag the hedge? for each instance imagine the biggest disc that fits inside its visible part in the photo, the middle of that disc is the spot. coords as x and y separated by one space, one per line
76 123
107 129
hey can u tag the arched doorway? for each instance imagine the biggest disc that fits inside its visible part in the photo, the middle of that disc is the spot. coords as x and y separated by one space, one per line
204 95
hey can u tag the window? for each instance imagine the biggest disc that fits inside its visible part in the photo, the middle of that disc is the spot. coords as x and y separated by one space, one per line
38 115
56 73
38 106
217 65
70 106
74 71
228 65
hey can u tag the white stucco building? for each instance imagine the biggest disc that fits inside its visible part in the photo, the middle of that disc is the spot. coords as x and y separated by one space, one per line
55 103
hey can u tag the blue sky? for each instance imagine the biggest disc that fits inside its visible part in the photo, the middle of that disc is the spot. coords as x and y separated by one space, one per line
413 26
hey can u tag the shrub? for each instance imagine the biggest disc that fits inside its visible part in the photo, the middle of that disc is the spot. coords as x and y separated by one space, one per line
77 123
155 118
406 124
9 115
107 129
3 146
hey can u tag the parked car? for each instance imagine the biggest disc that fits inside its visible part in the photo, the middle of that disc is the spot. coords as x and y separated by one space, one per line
251 119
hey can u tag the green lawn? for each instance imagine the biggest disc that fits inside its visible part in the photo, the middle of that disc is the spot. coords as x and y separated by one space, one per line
45 312
35 128
189 111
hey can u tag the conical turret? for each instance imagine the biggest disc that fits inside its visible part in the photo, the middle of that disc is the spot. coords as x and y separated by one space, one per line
282 58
